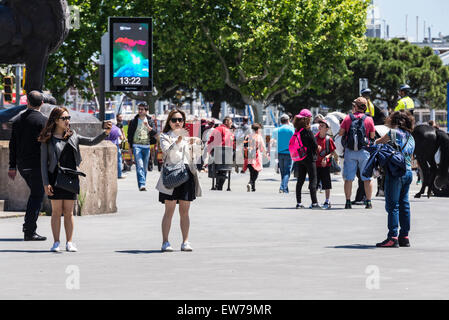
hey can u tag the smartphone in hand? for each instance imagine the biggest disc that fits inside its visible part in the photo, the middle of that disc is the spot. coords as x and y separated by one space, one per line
107 124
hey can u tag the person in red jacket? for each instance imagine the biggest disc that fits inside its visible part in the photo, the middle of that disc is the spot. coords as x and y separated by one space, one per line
222 136
323 161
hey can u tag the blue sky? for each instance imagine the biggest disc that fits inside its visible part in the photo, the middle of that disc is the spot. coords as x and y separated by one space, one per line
434 12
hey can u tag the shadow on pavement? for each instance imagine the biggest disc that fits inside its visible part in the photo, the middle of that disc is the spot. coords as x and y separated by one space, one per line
139 251
285 208
306 209
11 240
354 246
25 251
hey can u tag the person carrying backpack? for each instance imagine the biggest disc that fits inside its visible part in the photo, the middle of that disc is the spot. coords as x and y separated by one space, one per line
397 202
358 131
323 161
303 150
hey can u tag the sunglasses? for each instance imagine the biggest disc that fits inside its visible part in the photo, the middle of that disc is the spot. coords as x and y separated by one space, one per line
65 118
174 120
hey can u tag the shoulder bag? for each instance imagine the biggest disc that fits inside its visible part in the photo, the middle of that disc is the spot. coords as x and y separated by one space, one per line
66 178
174 175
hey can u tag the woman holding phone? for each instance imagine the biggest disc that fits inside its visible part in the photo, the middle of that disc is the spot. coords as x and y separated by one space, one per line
178 148
60 149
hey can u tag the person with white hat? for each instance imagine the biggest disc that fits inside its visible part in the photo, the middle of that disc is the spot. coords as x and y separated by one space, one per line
405 103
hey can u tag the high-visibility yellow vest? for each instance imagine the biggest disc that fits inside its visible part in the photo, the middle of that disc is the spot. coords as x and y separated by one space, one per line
370 109
405 103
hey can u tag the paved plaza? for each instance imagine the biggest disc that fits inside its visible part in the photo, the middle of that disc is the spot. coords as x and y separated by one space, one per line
246 246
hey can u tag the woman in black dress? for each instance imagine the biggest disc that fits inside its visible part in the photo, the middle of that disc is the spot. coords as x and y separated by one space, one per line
178 148
60 148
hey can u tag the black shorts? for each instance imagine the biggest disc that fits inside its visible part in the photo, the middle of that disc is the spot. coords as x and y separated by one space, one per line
324 176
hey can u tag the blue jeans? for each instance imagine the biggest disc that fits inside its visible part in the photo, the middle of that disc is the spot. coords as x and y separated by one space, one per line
397 204
285 166
119 162
141 157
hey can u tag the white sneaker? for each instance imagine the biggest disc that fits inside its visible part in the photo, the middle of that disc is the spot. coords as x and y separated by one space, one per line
55 247
71 247
166 247
248 187
186 246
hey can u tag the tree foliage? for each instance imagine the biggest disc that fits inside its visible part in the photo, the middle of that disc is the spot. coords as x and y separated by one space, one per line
386 65
262 48
76 62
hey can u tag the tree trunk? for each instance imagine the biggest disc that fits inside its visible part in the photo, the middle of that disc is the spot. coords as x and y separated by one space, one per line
258 107
148 98
215 109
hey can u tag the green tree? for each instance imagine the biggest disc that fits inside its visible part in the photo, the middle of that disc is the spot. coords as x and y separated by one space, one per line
76 62
262 48
388 64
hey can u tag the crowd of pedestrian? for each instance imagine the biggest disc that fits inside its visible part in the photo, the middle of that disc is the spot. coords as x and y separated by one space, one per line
46 153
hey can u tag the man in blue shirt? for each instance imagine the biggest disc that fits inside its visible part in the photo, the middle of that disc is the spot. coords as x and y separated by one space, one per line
283 135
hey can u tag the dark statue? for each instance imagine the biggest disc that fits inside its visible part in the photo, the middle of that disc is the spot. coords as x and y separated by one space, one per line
30 31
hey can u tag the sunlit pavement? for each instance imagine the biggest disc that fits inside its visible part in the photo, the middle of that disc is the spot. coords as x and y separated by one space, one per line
247 245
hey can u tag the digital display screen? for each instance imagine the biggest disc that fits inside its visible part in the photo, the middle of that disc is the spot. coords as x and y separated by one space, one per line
131 54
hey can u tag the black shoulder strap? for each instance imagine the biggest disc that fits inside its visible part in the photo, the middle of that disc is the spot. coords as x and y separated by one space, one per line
327 144
406 142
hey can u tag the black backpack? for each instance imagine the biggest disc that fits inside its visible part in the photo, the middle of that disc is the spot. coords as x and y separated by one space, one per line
355 139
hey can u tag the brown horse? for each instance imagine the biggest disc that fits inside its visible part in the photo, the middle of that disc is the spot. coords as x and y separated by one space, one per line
31 31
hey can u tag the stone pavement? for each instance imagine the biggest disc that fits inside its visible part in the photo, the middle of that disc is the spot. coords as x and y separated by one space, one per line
246 246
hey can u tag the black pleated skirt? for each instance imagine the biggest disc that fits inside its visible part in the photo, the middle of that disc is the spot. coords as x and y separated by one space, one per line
185 191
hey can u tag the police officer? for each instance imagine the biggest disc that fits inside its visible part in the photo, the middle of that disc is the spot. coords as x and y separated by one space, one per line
370 110
405 103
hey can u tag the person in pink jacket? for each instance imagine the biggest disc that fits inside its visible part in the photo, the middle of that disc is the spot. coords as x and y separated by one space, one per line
256 150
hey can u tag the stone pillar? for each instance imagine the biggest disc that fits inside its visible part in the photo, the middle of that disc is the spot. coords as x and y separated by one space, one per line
98 190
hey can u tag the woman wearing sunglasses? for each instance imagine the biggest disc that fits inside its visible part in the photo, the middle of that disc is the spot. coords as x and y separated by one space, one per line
178 148
60 149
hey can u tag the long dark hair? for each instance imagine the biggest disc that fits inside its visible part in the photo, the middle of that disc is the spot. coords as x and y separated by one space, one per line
167 127
50 126
402 119
300 123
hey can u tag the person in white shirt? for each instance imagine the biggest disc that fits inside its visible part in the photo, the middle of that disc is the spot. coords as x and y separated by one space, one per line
177 148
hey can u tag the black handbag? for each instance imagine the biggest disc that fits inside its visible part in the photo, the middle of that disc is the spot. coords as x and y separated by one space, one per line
67 179
174 175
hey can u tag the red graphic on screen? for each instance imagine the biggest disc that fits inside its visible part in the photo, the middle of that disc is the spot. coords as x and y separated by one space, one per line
130 42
